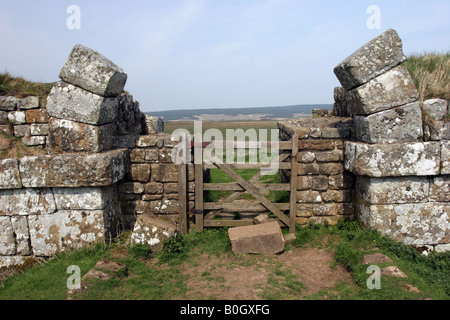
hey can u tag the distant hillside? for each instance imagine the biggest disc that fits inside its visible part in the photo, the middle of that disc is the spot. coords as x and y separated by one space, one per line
244 114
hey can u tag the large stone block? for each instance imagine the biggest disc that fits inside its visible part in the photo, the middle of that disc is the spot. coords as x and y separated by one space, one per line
389 90
393 160
73 170
7 241
401 124
8 103
96 198
413 224
66 230
9 174
69 102
91 71
393 189
374 58
263 238
440 189
22 235
129 115
71 136
152 231
27 202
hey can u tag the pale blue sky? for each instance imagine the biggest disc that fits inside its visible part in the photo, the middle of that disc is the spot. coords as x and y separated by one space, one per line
214 53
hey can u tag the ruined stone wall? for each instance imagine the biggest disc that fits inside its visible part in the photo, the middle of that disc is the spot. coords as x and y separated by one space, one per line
400 155
24 118
325 188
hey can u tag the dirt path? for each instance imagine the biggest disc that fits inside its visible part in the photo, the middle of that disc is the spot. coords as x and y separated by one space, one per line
255 277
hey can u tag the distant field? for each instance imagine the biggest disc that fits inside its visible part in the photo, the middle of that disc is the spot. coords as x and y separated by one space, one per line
171 126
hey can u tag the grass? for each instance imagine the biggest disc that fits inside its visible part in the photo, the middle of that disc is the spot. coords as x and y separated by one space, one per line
430 72
13 147
21 88
166 279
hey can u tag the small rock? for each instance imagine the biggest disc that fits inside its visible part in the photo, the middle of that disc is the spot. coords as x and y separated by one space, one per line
393 271
410 288
375 258
262 218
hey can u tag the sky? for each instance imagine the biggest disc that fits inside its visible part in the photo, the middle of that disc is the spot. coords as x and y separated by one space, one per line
201 54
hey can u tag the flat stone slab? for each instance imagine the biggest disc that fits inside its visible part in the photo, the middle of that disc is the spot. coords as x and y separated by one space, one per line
9 174
153 231
263 238
393 271
73 170
374 58
23 202
401 124
375 258
393 160
94 198
389 90
414 224
69 102
91 71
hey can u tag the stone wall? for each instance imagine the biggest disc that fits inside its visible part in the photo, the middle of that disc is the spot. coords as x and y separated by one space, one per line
400 153
25 118
325 188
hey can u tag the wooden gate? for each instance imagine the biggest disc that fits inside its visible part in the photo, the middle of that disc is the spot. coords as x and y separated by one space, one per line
287 160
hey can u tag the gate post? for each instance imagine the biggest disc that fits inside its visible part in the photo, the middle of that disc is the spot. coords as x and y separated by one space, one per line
294 179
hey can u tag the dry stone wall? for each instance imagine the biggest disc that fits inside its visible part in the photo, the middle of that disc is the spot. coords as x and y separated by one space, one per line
325 189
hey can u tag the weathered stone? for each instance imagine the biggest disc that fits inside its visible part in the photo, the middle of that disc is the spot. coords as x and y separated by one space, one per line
17 117
305 210
22 130
325 210
7 241
31 102
340 181
320 183
442 247
8 103
128 141
304 183
39 129
91 71
315 133
140 172
10 174
393 271
10 261
153 124
137 156
131 187
375 258
445 157
331 168
151 155
27 202
96 198
440 189
36 116
66 230
263 238
401 124
308 196
330 156
340 102
393 189
306 157
436 108
337 196
147 141
73 170
413 224
162 206
69 102
308 169
439 131
70 136
157 188
316 144
153 231
390 90
165 172
262 218
384 160
34 141
374 58
22 235
129 116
